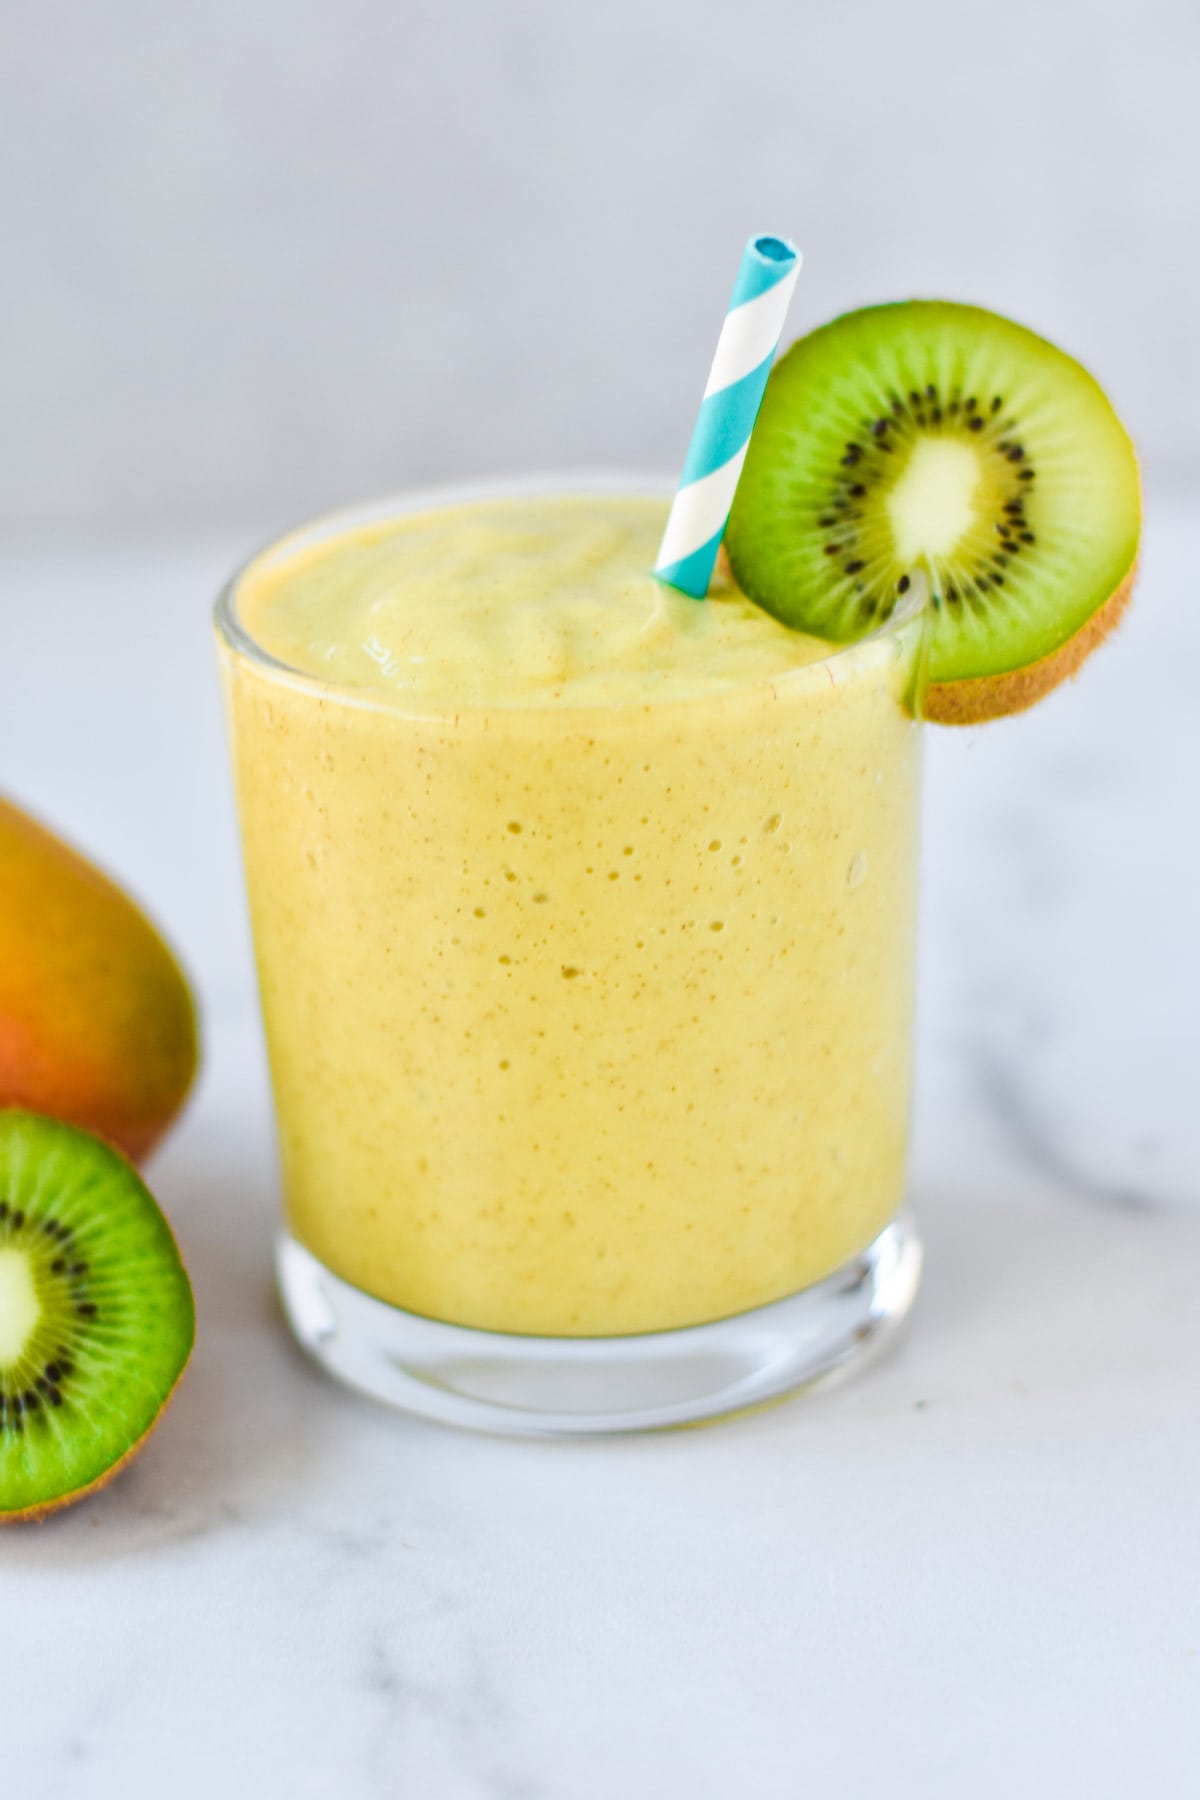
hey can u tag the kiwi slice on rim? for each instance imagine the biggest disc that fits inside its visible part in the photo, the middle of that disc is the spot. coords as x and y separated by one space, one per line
96 1314
930 435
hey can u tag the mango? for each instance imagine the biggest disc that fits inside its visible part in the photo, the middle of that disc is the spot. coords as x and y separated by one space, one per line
97 1022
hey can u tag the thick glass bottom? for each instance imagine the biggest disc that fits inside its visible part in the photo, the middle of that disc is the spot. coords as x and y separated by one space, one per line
563 1387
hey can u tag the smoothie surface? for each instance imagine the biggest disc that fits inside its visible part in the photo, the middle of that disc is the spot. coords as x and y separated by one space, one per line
547 600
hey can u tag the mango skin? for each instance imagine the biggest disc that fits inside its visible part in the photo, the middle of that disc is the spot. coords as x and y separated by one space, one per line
97 1022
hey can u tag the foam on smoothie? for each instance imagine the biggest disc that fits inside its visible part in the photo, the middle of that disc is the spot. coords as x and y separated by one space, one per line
546 600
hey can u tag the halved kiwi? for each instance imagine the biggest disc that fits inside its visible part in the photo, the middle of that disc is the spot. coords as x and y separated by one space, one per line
96 1314
930 435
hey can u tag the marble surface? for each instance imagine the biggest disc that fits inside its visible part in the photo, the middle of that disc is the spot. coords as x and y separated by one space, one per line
971 1571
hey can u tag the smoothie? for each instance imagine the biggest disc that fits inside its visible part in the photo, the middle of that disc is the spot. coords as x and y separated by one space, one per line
584 917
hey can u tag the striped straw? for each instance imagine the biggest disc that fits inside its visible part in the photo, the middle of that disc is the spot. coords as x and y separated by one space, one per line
745 350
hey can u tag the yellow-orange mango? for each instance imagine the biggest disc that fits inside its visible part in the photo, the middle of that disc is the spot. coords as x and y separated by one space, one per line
97 1023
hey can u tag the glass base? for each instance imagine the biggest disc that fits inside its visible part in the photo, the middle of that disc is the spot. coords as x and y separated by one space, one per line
563 1387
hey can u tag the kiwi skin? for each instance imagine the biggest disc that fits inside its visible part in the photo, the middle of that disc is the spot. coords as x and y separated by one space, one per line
967 682
981 698
36 1515
984 697
43 1509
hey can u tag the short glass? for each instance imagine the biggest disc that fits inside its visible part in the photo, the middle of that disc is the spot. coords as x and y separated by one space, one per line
589 1027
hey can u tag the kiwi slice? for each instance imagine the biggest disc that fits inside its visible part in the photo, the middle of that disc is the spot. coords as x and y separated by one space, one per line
930 435
96 1314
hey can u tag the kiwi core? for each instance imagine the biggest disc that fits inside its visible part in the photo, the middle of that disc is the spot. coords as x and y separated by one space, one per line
20 1308
931 508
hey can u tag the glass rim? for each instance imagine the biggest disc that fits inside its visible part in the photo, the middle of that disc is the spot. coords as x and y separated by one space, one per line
437 497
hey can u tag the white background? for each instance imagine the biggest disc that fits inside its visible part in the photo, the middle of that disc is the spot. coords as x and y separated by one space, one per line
262 256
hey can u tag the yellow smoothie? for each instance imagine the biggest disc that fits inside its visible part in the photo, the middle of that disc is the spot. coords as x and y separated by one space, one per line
584 918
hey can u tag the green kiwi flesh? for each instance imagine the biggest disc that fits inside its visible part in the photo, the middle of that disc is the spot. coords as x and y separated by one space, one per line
96 1313
929 435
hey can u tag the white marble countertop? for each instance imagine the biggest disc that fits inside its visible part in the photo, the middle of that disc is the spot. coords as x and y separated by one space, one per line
973 1571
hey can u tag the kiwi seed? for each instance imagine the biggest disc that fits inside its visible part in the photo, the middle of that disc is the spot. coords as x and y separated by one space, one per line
96 1314
933 435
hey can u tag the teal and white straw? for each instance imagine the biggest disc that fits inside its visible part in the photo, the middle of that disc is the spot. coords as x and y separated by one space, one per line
736 382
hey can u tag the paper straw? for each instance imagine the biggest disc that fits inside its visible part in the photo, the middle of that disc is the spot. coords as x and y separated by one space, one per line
736 381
